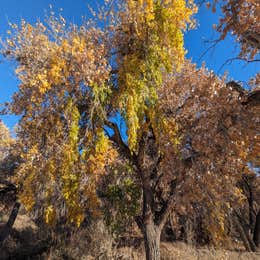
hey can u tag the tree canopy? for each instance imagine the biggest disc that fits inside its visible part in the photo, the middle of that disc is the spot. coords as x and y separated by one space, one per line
188 134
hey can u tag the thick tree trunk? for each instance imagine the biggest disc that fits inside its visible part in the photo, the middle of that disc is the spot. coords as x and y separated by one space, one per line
151 231
6 229
257 231
152 241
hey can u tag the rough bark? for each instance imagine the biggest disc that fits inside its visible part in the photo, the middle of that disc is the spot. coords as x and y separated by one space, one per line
152 241
256 237
150 230
244 235
6 229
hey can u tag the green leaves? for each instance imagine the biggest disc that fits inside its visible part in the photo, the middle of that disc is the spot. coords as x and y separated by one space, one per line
124 199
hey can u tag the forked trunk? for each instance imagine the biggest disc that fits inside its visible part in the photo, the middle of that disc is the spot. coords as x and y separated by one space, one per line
152 241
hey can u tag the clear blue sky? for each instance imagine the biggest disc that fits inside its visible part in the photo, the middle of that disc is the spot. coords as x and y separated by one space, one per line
31 10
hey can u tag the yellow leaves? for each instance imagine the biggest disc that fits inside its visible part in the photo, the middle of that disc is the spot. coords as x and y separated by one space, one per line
5 139
215 223
102 154
48 59
27 198
78 44
239 195
50 215
58 72
149 10
132 122
78 219
170 128
157 32
69 173
43 83
66 89
10 43
102 142
165 130
29 28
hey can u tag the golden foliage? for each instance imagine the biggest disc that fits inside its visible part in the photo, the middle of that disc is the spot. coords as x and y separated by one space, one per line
151 43
68 93
5 140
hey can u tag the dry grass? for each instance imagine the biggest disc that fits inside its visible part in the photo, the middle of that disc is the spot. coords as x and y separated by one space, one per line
180 251
95 243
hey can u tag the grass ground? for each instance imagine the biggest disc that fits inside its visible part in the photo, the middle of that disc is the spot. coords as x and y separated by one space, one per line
27 240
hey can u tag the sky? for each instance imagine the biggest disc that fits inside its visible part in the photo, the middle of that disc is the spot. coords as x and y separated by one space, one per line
73 11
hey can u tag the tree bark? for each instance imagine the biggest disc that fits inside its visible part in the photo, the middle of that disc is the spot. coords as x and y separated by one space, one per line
6 229
151 231
256 237
152 236
244 235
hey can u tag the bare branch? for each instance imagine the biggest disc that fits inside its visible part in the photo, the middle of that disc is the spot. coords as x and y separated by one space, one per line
229 61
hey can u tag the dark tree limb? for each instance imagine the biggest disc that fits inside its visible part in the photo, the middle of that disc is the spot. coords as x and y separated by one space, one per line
252 98
139 222
6 229
6 187
118 140
256 236
165 212
244 234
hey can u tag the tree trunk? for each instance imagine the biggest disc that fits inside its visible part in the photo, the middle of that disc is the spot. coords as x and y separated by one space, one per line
6 229
151 231
257 231
152 236
244 235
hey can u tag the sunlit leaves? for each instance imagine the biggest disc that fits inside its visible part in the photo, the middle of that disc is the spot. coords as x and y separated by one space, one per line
217 136
150 42
5 141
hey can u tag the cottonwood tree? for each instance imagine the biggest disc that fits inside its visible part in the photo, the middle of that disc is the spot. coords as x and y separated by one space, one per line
218 125
241 19
76 80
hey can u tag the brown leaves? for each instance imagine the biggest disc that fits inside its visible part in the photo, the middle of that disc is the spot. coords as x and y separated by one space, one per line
241 18
216 130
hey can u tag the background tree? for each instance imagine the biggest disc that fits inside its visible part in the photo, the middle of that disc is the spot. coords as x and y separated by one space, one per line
219 138
7 188
241 19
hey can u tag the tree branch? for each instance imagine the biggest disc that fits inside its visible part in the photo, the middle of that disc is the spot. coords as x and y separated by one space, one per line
6 229
117 139
165 212
6 187
229 61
